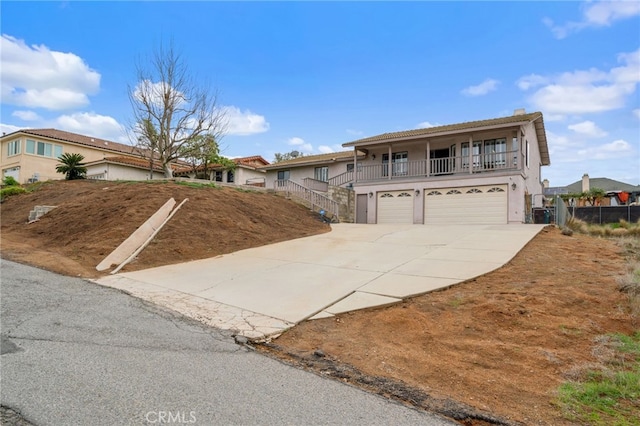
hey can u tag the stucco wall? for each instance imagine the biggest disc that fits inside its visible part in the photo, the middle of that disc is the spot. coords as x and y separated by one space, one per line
298 174
109 171
515 197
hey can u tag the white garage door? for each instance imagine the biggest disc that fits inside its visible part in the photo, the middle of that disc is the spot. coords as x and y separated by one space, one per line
13 172
473 204
395 207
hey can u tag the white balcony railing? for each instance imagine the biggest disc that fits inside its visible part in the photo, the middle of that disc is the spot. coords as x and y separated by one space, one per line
480 163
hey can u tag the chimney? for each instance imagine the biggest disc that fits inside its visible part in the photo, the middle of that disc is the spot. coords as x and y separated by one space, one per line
519 111
545 183
585 183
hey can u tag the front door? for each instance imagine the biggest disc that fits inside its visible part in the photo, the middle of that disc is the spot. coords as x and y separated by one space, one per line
439 161
361 208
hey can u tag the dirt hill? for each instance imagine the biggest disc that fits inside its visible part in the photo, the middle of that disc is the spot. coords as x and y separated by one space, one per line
94 217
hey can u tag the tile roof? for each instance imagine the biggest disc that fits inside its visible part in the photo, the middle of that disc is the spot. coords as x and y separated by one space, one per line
511 120
98 143
253 161
312 159
141 163
448 128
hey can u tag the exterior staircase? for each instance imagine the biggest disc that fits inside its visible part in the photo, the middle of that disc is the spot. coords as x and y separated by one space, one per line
312 199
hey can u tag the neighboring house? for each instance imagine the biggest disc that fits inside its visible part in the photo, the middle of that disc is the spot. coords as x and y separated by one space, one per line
315 171
248 171
123 168
485 172
617 193
32 154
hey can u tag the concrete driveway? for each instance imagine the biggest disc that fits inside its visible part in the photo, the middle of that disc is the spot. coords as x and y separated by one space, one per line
263 291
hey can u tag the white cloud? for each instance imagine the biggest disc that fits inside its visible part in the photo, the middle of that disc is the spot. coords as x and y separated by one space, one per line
588 128
636 113
92 124
616 149
596 14
37 77
585 91
26 115
426 125
355 132
244 122
150 93
300 145
9 128
324 149
532 80
489 85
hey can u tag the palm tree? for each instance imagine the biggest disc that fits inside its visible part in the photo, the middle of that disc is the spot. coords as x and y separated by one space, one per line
71 165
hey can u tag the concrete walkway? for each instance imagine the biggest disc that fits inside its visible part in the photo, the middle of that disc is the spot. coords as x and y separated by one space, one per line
262 291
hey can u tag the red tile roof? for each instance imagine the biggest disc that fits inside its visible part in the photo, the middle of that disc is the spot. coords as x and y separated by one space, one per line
93 142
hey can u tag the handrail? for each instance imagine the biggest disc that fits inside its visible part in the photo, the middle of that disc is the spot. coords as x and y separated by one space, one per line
342 178
294 189
315 184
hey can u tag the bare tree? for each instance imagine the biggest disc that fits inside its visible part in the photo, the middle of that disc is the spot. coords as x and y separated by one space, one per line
171 109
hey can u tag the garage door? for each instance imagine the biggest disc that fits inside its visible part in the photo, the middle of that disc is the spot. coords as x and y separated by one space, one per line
395 207
473 204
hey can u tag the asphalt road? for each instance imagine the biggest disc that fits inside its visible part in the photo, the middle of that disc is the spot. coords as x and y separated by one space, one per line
75 353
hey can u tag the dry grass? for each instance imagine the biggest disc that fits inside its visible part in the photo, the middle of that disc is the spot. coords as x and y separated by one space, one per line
630 282
620 229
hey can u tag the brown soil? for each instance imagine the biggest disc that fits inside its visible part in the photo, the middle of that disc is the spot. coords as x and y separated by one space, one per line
490 350
93 218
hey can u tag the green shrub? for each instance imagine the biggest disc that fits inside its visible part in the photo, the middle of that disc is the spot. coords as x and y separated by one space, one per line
11 190
10 181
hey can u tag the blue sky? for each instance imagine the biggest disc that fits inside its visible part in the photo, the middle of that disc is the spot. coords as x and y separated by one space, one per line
313 75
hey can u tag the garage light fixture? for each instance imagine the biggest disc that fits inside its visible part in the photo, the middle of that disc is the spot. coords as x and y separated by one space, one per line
370 194
513 186
417 192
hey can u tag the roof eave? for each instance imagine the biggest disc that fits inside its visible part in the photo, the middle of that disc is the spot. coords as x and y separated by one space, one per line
437 134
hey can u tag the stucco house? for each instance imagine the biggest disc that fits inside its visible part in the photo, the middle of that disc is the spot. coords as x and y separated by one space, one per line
248 171
485 172
124 168
32 154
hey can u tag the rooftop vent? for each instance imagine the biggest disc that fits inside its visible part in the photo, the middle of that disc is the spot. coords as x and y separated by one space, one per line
519 111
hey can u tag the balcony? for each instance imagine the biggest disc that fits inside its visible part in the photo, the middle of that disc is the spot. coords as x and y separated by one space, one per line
457 165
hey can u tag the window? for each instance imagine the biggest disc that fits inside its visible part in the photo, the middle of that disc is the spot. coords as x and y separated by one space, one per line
350 167
43 148
490 153
230 176
495 153
218 176
526 154
284 175
31 146
398 163
321 173
13 148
